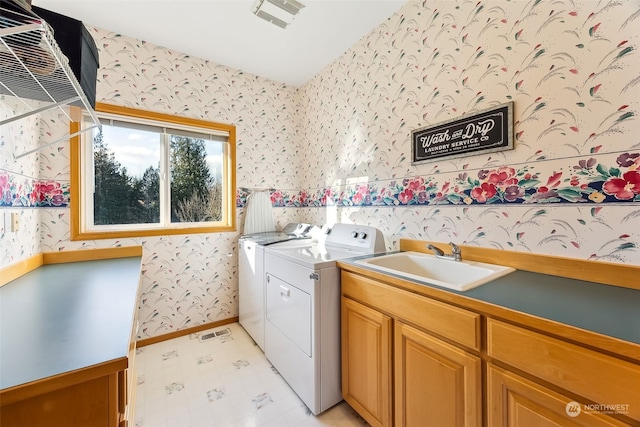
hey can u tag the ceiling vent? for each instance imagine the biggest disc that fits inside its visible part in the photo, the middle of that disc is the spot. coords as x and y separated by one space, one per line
278 12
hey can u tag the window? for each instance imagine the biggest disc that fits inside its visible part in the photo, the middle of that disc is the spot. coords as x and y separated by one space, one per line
145 173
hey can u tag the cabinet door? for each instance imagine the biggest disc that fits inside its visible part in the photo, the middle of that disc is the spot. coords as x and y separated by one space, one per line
436 384
366 362
513 401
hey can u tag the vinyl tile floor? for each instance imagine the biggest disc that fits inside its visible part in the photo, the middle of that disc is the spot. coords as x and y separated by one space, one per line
221 378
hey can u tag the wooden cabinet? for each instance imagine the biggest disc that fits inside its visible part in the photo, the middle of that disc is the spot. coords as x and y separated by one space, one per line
590 376
97 396
68 361
87 401
514 401
410 360
366 362
436 383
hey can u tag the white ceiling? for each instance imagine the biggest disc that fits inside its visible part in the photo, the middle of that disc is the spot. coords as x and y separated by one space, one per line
227 33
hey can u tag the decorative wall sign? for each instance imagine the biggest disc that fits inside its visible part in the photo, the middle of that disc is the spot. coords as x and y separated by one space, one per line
483 132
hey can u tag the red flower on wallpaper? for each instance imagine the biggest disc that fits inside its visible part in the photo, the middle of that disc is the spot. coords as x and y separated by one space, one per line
5 188
484 192
303 197
277 197
416 185
357 198
625 188
361 195
503 177
327 196
405 196
47 193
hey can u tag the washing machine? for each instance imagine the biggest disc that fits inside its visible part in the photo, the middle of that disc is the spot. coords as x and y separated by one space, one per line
251 274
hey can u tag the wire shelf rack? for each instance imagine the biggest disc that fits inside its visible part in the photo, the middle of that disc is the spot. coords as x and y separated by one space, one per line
32 67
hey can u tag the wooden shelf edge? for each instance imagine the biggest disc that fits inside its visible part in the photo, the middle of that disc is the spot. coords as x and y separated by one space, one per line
91 254
20 268
608 273
57 382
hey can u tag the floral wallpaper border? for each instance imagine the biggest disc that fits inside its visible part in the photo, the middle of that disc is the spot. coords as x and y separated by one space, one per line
23 192
587 182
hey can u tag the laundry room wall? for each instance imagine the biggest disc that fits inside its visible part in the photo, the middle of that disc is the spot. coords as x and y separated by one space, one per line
338 149
571 185
18 194
187 280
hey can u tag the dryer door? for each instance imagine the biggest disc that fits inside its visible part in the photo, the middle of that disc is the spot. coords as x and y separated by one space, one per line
290 310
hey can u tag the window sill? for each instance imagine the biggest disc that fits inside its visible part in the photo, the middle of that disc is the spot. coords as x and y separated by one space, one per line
98 235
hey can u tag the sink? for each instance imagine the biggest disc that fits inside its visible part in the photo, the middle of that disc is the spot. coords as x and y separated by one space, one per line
457 275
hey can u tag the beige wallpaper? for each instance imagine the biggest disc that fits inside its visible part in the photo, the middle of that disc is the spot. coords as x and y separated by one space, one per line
571 185
338 148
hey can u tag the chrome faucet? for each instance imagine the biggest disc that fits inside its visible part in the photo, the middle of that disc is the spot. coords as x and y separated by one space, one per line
435 250
456 254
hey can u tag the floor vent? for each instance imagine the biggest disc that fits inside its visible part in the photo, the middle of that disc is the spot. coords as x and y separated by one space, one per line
223 332
214 334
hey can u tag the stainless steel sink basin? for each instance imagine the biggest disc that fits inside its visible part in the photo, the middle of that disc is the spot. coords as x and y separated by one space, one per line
457 275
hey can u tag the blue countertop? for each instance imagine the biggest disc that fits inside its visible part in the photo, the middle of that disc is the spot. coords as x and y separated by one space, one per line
609 310
63 317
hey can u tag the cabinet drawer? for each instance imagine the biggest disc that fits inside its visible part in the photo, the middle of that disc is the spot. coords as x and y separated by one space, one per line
515 401
598 377
459 325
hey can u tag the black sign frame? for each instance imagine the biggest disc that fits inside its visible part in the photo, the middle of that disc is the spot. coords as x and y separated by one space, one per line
485 131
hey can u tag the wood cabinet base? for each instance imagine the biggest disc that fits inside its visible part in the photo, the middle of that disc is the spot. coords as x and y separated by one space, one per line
455 367
91 403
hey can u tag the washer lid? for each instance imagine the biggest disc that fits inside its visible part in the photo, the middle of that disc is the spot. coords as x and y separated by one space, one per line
267 237
290 232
